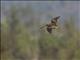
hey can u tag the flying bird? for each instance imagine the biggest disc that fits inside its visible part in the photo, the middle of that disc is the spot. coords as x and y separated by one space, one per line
49 26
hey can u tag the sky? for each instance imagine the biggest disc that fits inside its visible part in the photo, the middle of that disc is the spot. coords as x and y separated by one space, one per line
55 8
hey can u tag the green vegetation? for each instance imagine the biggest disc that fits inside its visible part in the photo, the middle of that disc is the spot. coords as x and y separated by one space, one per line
19 41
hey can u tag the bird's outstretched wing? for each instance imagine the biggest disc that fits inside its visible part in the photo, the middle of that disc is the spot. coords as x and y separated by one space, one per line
54 20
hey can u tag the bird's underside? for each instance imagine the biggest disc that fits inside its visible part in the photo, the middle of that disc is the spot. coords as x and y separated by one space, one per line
51 25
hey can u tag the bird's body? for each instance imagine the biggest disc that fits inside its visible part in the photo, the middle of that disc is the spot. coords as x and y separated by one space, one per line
49 26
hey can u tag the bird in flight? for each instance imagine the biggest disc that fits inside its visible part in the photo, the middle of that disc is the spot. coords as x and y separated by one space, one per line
49 26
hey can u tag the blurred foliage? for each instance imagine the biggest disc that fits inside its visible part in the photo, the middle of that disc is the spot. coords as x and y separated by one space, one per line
24 41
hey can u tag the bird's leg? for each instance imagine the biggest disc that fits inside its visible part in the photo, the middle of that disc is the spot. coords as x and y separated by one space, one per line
42 26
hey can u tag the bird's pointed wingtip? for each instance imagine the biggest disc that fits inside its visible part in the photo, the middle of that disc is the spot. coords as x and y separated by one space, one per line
59 16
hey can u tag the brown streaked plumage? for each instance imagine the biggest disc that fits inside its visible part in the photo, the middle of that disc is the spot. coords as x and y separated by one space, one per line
49 26
54 20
